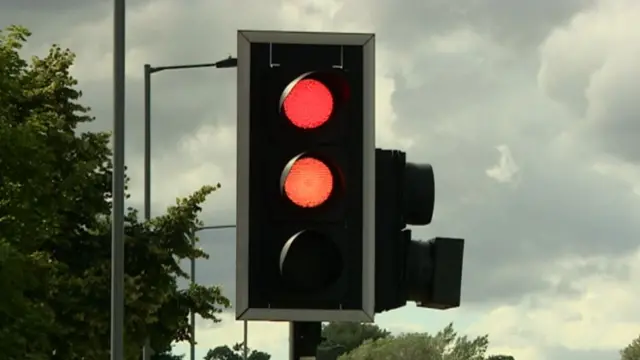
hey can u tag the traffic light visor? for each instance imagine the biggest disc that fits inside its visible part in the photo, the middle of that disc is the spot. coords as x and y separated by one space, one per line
307 103
419 199
307 182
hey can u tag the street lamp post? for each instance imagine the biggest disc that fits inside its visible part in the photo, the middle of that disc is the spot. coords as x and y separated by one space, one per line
229 62
118 184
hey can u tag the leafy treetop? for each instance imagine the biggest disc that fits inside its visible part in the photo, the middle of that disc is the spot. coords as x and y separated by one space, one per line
632 351
236 352
349 335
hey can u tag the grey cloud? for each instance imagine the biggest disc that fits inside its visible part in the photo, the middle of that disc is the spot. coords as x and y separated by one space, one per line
557 206
181 100
180 103
50 20
590 68
614 109
516 235
39 6
564 353
220 268
456 107
512 233
518 23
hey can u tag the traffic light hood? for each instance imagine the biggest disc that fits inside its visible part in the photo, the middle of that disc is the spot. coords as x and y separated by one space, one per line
419 194
434 272
426 272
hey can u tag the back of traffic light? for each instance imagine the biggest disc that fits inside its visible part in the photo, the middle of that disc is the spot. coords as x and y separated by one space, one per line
428 273
306 157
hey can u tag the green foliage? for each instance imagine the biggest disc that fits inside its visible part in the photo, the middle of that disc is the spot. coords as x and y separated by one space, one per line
632 351
235 353
55 242
445 345
350 335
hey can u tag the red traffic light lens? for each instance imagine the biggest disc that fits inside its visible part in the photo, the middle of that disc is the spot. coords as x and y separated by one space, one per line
308 182
308 104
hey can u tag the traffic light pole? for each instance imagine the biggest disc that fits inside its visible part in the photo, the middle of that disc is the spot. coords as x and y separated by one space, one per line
304 338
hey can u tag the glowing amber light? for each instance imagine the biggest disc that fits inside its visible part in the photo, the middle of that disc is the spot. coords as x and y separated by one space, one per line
309 104
308 183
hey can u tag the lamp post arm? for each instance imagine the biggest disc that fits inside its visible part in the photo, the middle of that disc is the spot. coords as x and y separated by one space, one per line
229 62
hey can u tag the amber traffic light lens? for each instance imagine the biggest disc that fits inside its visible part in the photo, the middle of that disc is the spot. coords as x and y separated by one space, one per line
308 182
310 261
308 104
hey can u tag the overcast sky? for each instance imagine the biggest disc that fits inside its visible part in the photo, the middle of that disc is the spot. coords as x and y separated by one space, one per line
526 109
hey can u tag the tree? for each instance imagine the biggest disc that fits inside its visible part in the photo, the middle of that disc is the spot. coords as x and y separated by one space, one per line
445 345
235 353
55 241
167 355
24 320
632 351
350 335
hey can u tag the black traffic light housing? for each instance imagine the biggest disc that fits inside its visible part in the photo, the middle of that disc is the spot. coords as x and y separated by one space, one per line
306 157
428 273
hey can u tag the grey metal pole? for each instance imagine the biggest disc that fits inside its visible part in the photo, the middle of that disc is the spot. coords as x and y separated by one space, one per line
146 349
246 346
292 342
117 221
304 338
217 227
192 316
147 141
148 70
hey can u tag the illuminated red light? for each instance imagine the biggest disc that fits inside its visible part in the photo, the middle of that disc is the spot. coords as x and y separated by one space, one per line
309 104
308 183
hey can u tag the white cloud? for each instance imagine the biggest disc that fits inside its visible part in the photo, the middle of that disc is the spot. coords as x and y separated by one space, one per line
599 318
590 65
506 168
195 162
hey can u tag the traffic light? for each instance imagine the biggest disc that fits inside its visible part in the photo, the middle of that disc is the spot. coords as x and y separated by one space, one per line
305 170
428 273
